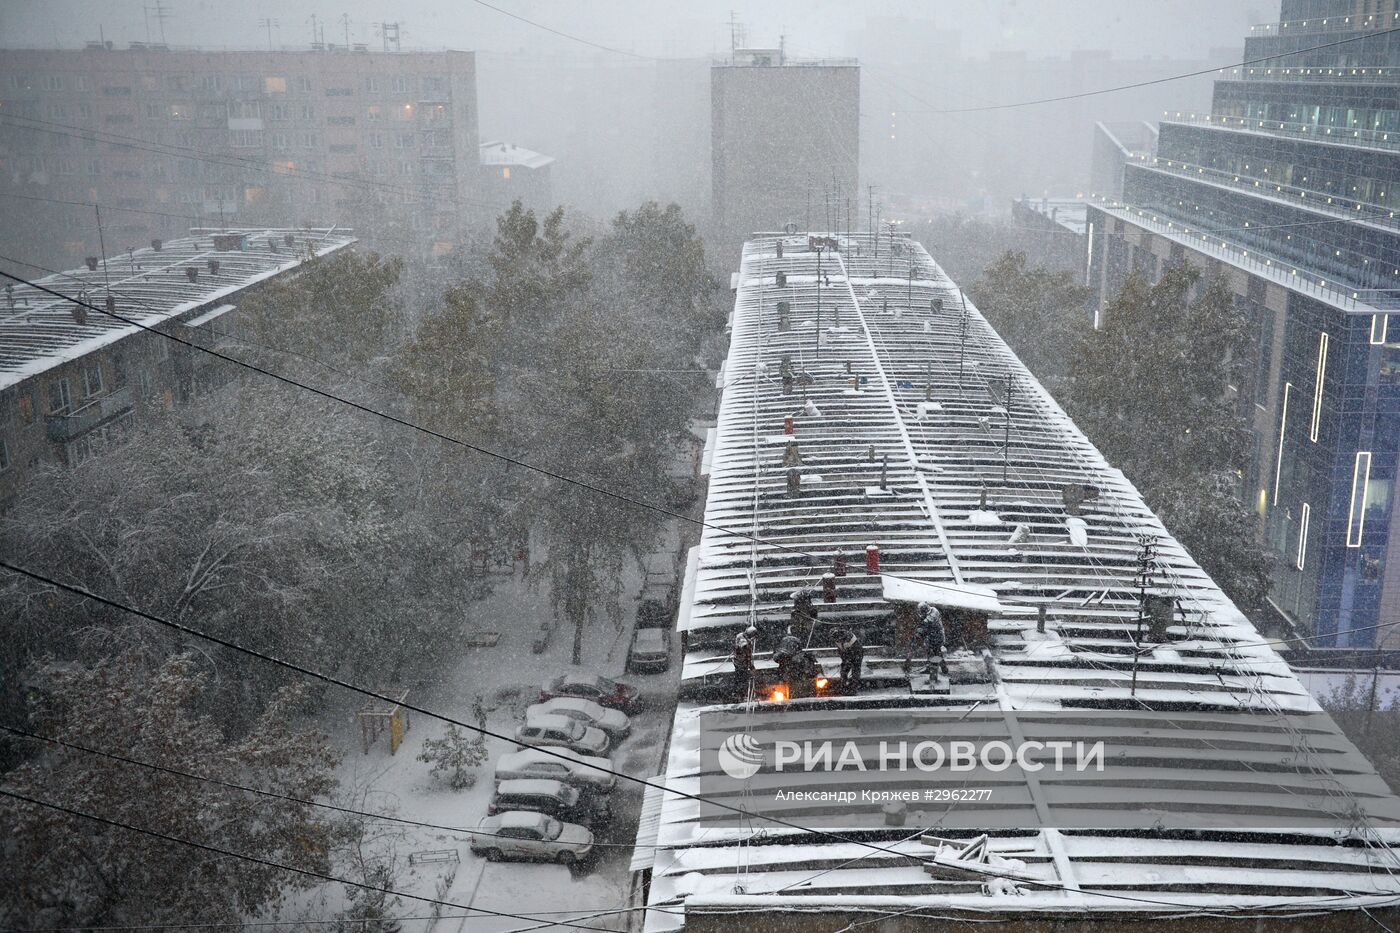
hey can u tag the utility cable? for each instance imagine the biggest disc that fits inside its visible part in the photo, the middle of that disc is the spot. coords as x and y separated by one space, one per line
273 795
412 425
268 863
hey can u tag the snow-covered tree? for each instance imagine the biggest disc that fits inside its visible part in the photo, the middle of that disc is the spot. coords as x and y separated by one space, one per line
66 870
1039 313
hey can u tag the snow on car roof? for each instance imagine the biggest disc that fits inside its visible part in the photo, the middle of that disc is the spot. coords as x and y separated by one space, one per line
533 786
522 819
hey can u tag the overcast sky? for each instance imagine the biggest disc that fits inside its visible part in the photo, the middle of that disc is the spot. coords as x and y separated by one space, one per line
1130 28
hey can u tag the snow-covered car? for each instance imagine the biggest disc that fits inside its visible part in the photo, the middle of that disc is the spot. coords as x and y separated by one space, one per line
601 690
563 731
650 650
526 836
564 802
614 723
559 764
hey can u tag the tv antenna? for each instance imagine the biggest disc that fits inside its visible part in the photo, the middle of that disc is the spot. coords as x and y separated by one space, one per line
162 13
268 23
389 35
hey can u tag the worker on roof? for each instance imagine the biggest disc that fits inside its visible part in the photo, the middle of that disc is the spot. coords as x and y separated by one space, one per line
743 660
852 654
934 637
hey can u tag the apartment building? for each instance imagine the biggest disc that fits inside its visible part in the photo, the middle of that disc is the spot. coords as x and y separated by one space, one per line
72 378
1289 189
168 139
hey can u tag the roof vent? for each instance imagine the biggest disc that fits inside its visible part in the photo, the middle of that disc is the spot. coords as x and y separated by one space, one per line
79 313
230 241
91 263
213 267
289 240
156 245
192 273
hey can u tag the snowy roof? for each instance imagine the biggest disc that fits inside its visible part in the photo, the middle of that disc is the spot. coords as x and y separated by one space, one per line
969 479
1070 213
39 331
500 153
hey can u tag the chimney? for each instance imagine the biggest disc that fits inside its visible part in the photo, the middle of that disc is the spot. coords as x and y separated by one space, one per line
192 273
792 456
828 587
779 244
289 240
1040 619
787 388
156 245
788 426
91 263
872 560
784 316
839 564
781 279
111 303
213 267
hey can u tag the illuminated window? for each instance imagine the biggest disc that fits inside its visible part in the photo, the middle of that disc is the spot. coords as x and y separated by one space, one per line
1317 387
505 172
1360 488
275 85
1282 427
1303 536
1380 323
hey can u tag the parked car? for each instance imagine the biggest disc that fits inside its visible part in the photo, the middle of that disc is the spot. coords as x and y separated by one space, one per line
564 802
614 723
560 764
563 731
650 651
599 689
519 835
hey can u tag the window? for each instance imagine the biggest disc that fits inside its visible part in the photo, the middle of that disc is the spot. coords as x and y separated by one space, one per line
211 82
372 115
244 110
94 167
343 148
340 121
279 140
405 168
303 83
85 111
505 172
277 112
308 112
245 139
340 92
4 454
51 82
82 83
60 397
376 140
372 85
117 91
403 84
403 140
434 87
92 380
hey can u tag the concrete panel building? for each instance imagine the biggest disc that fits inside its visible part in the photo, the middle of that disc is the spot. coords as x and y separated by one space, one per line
167 139
785 137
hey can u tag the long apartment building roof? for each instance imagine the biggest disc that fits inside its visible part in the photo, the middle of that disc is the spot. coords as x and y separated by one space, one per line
917 430
149 286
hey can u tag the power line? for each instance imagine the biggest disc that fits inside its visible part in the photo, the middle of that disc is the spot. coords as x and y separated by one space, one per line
273 794
268 863
335 681
1140 84
109 207
565 35
404 422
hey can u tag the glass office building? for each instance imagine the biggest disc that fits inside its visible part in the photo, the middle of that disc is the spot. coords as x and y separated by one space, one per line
1290 189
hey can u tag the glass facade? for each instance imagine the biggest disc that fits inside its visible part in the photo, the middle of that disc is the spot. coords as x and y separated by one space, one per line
1297 171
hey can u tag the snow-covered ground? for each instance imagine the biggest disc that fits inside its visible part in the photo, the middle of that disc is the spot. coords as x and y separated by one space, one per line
507 677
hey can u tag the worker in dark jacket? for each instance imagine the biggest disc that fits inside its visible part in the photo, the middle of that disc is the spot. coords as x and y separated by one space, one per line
852 654
934 637
743 660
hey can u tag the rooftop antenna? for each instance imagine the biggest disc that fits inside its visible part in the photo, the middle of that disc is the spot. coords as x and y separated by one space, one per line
733 33
345 21
267 22
162 13
389 35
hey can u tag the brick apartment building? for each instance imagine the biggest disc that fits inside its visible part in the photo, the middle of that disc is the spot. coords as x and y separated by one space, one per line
386 142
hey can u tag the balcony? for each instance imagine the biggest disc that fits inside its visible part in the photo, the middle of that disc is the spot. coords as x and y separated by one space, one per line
64 428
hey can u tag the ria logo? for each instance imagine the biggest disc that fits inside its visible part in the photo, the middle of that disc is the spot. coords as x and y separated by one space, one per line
740 756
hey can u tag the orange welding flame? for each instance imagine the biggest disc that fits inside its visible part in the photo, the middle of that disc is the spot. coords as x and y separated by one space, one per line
821 683
779 695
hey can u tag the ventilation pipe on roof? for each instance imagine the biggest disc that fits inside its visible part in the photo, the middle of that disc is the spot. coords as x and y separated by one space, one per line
828 587
787 387
289 240
192 273
838 565
157 245
1040 619
788 426
91 263
872 560
794 483
79 312
884 472
784 316
213 267
111 304
781 279
935 305
779 244
792 456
